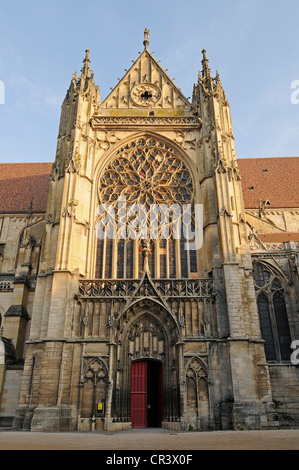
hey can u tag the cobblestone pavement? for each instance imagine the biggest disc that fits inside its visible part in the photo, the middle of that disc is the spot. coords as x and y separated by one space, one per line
151 439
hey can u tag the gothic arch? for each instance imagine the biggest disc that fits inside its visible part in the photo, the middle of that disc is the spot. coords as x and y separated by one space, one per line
146 332
274 269
147 298
146 306
179 151
153 172
102 366
272 292
93 387
201 363
199 407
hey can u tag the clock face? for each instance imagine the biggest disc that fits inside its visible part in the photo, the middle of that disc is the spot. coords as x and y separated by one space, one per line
145 94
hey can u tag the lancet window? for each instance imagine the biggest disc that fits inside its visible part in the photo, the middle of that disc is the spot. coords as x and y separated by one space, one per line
272 307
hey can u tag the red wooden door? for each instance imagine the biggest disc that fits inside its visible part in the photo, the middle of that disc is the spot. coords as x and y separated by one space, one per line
139 394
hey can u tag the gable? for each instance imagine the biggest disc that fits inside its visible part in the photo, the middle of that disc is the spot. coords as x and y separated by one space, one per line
146 85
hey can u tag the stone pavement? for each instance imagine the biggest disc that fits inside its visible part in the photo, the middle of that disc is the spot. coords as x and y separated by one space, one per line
151 439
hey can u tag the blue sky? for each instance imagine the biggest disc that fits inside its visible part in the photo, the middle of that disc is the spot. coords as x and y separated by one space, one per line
254 45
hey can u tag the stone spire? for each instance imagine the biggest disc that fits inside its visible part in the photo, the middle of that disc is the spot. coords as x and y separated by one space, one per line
219 88
86 64
206 73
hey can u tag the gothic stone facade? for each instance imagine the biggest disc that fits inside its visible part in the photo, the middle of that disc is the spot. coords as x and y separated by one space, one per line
110 333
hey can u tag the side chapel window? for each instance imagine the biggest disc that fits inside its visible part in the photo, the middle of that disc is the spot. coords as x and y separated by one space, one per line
272 313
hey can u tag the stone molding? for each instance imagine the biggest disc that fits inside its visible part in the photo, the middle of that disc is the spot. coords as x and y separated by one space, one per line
100 122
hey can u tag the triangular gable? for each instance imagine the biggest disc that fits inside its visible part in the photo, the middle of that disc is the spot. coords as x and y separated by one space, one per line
145 289
146 85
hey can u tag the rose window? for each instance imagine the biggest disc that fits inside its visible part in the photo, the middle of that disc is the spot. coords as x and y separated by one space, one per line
146 172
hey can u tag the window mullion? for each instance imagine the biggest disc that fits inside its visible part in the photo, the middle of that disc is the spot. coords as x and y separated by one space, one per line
274 326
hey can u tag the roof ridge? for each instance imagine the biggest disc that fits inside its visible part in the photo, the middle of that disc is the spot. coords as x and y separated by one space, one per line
26 163
264 158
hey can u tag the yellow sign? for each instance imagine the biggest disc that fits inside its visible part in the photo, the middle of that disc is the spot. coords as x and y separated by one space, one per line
100 406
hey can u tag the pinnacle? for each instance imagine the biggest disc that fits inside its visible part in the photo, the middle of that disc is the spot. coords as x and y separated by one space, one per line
86 62
206 73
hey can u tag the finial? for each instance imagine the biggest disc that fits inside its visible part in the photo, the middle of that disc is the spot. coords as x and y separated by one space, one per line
219 86
146 36
30 210
218 80
86 62
206 73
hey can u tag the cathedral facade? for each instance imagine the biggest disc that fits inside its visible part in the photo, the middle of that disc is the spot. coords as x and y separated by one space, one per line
148 277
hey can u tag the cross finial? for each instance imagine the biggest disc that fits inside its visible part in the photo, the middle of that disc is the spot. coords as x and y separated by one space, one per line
146 36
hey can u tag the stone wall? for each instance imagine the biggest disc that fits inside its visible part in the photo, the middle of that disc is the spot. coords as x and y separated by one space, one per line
285 392
10 396
274 220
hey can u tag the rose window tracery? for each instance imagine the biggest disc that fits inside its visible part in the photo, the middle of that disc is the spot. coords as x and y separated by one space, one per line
146 172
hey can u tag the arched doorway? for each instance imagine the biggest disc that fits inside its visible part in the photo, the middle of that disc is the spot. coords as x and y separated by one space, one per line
146 393
146 338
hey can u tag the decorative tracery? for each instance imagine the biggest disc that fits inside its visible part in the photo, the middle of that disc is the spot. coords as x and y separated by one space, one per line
146 192
196 370
147 172
93 387
146 339
271 301
198 392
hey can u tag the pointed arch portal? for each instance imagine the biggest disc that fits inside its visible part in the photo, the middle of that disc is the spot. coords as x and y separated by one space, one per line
146 381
